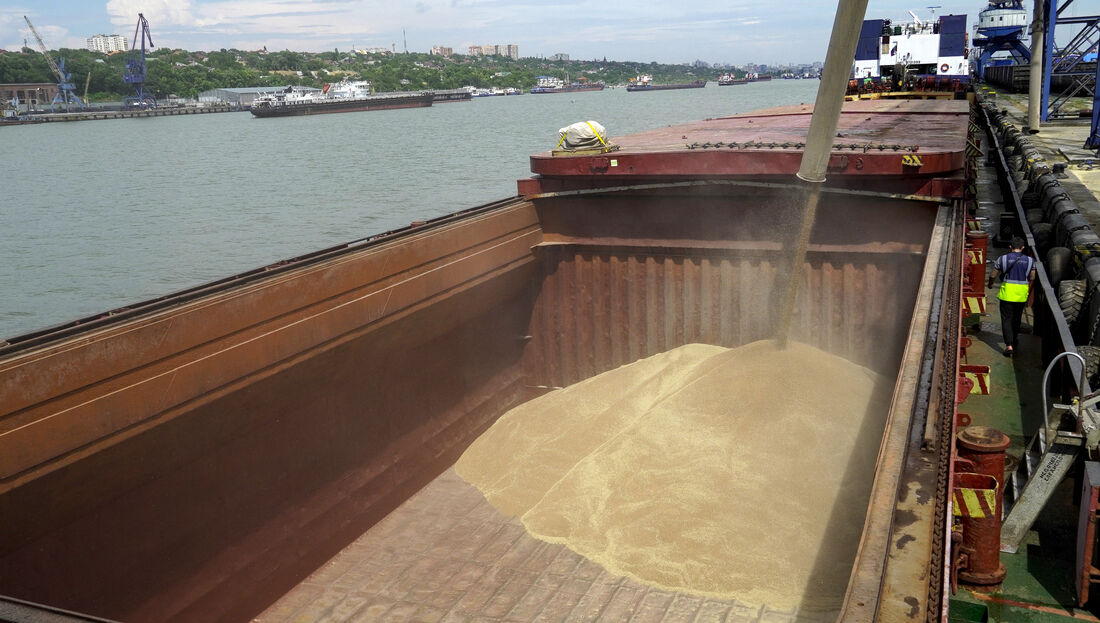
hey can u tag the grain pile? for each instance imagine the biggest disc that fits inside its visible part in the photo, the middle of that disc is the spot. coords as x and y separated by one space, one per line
733 473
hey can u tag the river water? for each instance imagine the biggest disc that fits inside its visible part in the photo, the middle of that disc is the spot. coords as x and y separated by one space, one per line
96 215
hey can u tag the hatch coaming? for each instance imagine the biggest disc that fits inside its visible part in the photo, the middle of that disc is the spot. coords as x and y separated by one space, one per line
898 146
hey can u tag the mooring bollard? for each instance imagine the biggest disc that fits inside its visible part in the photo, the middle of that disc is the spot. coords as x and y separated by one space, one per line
978 502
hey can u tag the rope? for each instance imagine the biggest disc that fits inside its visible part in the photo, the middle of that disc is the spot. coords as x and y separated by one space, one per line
596 133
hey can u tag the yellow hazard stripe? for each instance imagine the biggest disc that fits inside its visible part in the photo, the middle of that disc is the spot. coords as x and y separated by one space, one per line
975 502
974 305
981 382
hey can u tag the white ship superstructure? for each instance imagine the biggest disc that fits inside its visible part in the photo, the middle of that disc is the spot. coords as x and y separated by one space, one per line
916 49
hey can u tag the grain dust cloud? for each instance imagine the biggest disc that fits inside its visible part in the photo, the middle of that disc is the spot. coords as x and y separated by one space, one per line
731 473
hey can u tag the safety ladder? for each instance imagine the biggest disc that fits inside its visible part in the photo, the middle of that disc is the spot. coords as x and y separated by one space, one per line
1047 458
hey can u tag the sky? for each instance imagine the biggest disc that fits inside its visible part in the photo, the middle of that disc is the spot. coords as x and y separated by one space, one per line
731 31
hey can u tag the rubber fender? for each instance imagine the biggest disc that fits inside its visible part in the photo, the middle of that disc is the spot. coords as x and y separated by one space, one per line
1008 151
1034 216
1045 180
1086 246
1060 210
1059 265
1092 272
1028 156
1037 171
1044 237
1066 226
1091 355
1052 194
1071 298
1030 200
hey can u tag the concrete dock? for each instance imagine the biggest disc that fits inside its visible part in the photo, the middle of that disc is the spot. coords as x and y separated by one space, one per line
93 115
1061 142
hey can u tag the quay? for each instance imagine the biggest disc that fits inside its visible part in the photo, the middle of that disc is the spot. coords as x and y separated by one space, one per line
90 115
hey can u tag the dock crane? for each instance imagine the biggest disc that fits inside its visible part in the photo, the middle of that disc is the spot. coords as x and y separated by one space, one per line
135 67
66 90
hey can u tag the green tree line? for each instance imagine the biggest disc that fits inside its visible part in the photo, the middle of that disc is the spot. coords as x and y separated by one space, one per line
182 73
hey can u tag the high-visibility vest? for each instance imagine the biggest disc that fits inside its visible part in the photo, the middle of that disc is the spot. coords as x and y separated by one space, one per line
1014 290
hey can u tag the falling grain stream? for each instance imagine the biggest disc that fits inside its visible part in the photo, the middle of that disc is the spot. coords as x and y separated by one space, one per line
702 469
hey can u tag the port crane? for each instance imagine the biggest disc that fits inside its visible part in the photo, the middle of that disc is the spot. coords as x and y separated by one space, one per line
66 90
135 67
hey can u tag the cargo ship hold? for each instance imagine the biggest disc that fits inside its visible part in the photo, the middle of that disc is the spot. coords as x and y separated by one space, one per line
281 444
197 457
345 96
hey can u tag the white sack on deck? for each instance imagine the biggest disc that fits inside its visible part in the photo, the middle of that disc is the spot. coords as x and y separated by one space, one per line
582 134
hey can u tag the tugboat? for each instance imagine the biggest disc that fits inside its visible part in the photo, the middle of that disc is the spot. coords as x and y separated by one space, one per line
344 96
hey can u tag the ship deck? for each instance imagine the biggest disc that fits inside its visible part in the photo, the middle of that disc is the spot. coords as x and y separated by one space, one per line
1039 584
874 138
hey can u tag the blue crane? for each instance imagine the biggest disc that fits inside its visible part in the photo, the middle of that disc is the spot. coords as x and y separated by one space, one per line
135 67
66 90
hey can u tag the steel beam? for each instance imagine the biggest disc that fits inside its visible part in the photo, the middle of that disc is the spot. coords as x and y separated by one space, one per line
1069 57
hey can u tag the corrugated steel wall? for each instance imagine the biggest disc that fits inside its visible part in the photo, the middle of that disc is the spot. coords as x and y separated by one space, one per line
600 309
605 302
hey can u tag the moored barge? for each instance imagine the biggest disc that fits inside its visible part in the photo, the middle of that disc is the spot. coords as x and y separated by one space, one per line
345 96
645 83
197 457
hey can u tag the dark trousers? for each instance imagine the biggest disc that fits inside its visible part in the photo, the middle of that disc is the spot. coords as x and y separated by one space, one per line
1010 321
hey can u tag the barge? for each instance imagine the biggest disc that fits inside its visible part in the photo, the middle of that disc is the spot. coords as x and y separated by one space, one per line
551 84
216 453
645 83
197 457
344 96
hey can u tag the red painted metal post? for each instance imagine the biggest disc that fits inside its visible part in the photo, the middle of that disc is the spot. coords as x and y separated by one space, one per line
985 448
978 501
977 250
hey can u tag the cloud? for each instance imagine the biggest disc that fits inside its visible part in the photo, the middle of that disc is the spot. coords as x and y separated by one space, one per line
55 37
165 13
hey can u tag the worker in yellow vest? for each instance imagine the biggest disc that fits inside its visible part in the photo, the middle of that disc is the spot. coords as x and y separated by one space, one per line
1017 271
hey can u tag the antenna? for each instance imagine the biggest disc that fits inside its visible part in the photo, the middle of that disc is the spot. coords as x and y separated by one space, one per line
404 41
